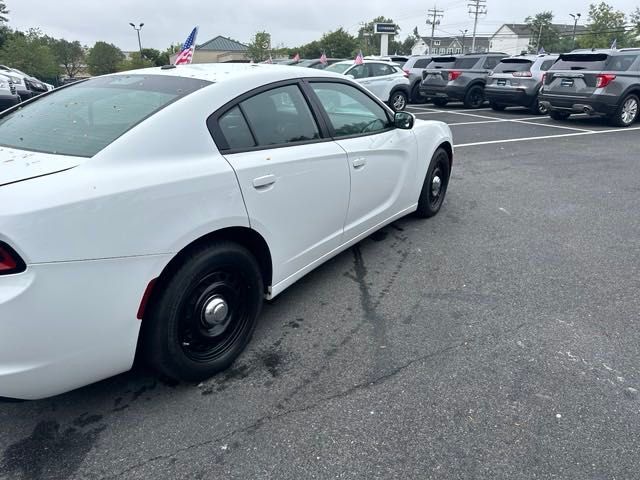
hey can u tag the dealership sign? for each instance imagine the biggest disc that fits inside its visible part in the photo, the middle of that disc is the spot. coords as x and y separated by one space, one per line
385 28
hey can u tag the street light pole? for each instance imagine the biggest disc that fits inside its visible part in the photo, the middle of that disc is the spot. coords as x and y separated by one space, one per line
576 17
464 34
137 29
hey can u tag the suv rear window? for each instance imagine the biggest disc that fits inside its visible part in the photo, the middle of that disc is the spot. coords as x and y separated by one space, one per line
465 63
513 65
442 62
581 61
84 118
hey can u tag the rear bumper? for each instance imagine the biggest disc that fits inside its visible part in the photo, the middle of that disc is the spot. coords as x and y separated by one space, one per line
594 105
509 96
8 101
449 92
65 325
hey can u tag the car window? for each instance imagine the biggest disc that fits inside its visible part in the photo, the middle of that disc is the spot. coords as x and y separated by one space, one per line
235 130
491 62
581 61
512 65
465 63
350 111
280 116
84 118
546 65
421 63
380 69
359 71
620 63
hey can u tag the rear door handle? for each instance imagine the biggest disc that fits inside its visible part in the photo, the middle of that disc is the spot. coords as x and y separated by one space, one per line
359 162
264 182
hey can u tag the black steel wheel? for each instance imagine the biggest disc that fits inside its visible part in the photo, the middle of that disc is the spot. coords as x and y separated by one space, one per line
474 97
205 312
435 185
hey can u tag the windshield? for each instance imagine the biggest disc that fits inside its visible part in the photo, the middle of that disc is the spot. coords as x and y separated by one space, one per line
305 63
513 65
338 67
84 118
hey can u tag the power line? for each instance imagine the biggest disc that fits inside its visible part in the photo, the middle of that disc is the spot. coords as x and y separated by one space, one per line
476 8
437 15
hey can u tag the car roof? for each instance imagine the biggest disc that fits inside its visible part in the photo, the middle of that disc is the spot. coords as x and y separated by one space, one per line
533 58
226 72
367 60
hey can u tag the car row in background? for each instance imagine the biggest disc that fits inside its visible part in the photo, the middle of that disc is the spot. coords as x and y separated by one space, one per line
17 86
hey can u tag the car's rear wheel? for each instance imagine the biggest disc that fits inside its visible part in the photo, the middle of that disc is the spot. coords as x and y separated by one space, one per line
627 113
474 97
205 313
398 101
498 107
440 102
538 108
556 115
416 96
435 185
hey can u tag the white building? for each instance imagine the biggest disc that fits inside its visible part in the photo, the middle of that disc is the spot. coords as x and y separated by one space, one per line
515 38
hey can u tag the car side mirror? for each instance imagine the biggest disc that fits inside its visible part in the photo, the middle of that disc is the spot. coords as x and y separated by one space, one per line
351 77
404 120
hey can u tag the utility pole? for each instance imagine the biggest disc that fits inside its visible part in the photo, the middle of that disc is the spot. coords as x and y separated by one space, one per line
476 8
437 15
464 35
539 38
576 17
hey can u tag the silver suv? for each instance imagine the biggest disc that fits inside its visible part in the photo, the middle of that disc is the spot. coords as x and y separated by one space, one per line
516 81
414 67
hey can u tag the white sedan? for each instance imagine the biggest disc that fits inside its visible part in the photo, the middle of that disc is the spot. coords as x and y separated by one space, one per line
156 209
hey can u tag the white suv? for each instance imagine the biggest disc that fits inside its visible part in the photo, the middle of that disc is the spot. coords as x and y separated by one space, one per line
8 95
385 80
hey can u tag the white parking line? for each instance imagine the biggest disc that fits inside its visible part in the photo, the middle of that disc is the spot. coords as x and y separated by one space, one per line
447 111
499 120
553 125
564 135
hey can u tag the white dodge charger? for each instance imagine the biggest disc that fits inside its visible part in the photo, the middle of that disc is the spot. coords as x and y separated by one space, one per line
154 210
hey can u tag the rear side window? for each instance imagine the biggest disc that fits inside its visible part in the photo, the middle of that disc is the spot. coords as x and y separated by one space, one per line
620 63
84 118
421 63
581 61
235 129
546 65
280 116
513 65
380 69
465 63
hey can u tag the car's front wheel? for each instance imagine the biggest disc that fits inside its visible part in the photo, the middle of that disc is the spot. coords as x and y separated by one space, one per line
205 312
435 185
398 101
627 113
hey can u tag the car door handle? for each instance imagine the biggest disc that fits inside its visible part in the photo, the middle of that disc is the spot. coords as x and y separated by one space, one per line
264 182
359 163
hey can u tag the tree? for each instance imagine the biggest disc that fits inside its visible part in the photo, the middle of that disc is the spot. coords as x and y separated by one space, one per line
70 55
605 26
543 33
134 62
337 44
104 58
259 48
153 56
635 21
30 53
369 42
3 12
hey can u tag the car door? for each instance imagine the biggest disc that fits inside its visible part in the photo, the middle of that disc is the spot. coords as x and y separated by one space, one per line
382 159
295 183
382 80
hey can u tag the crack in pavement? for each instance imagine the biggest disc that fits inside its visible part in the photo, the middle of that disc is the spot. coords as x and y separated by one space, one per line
361 386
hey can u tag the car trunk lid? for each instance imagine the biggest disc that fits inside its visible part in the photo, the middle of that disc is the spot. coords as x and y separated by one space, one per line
576 74
19 165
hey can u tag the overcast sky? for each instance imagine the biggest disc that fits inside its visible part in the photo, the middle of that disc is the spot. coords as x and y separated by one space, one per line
290 22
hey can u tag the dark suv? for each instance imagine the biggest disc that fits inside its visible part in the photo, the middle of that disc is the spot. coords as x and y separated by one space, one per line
604 83
464 80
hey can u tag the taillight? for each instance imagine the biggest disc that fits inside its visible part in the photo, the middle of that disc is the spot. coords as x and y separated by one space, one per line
544 78
10 262
454 75
406 72
522 74
604 80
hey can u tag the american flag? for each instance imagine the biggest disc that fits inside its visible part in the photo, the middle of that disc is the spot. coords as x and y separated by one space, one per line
323 59
359 58
186 54
296 58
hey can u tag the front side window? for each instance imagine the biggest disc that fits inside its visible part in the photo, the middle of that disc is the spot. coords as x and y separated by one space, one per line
380 69
84 118
350 111
280 116
359 71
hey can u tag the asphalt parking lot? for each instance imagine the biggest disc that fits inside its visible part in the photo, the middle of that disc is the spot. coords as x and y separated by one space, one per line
498 340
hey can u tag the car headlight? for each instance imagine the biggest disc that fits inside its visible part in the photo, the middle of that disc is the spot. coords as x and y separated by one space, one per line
16 80
4 85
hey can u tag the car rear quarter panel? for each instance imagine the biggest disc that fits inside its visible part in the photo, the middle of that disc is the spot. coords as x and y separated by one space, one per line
430 135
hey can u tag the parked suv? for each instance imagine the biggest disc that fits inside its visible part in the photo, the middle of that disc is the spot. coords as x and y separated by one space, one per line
414 67
516 81
464 81
8 95
18 80
603 83
385 80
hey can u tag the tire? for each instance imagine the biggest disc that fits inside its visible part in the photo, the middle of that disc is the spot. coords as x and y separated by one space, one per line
440 102
416 96
474 98
538 109
178 339
497 107
429 204
556 115
627 112
398 101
